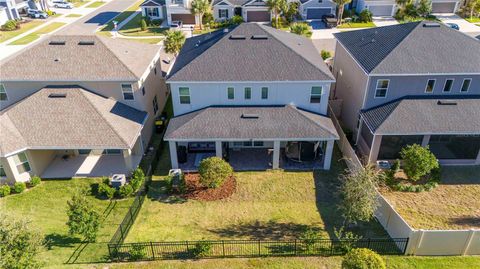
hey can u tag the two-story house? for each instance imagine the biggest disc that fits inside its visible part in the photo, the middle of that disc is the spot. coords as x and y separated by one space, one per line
12 9
179 10
411 83
387 8
76 106
253 95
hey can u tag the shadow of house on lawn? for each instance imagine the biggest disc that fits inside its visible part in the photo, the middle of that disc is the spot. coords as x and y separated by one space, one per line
460 175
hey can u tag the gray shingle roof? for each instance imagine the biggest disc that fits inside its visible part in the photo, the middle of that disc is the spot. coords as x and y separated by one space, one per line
108 59
227 123
153 3
80 120
411 48
281 57
233 2
425 116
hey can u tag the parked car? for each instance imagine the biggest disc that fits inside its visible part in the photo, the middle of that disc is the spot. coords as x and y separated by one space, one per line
37 14
453 26
176 25
62 4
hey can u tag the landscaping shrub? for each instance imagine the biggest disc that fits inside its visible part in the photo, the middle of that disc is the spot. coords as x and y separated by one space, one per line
50 12
214 171
19 187
348 238
424 8
143 25
125 191
325 54
10 25
365 16
396 166
35 180
418 161
363 258
105 190
301 28
347 13
237 19
4 190
201 249
137 252
308 237
155 23
207 18
137 179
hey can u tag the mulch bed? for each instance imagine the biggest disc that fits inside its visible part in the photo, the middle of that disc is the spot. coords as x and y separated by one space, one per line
195 190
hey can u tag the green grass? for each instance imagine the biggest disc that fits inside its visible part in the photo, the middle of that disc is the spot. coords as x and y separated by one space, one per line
473 20
266 205
46 205
132 28
24 27
123 16
73 15
79 3
95 4
35 35
347 25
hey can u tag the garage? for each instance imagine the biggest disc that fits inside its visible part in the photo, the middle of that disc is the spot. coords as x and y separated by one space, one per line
184 18
446 7
317 13
381 10
257 16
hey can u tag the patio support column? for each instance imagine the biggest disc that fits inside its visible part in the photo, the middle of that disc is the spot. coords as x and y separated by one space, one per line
425 140
218 149
327 161
377 141
276 154
10 169
127 157
173 154
478 158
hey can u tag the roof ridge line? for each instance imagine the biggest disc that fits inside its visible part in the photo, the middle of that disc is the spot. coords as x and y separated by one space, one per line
118 58
305 116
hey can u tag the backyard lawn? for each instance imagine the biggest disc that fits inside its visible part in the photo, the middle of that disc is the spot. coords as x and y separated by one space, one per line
266 205
6 35
132 28
35 35
347 25
454 204
46 205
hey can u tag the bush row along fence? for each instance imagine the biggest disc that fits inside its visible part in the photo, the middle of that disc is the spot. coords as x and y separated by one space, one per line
249 248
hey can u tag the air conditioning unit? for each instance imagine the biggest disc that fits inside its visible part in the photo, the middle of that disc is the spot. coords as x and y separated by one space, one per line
118 180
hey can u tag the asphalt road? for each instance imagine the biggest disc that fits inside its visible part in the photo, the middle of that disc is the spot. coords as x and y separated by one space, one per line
90 23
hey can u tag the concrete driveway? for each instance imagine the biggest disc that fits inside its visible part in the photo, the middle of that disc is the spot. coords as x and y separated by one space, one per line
464 25
384 21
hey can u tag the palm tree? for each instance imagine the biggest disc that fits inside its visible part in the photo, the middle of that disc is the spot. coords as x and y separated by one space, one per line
174 42
200 7
341 6
276 6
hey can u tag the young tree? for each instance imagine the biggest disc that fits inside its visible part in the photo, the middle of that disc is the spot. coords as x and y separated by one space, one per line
472 7
290 10
276 6
174 42
19 244
199 8
359 196
83 219
341 7
424 8
418 161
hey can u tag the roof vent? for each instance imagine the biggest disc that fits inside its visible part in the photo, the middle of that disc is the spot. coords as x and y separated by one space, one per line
56 60
249 116
446 103
259 37
431 25
57 95
238 37
86 43
56 43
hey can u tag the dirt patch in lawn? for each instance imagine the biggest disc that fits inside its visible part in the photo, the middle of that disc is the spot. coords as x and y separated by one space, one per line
195 190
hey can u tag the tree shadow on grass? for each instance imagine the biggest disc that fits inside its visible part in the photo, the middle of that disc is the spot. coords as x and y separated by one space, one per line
158 191
472 222
60 240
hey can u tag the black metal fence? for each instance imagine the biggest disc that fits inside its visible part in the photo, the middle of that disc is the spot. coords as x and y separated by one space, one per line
250 248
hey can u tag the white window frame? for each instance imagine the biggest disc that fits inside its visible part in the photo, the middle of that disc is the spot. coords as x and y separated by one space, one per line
228 95
224 11
150 12
445 84
377 88
434 84
316 94
261 93
249 93
3 91
180 95
463 83
19 162
128 92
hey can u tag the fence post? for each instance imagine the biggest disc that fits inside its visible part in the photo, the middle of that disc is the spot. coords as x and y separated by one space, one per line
223 247
188 250
153 252
368 244
295 247
258 247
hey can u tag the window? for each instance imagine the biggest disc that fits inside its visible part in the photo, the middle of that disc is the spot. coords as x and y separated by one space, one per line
178 2
448 85
223 13
2 171
258 143
248 93
3 93
152 11
21 162
184 93
111 151
143 90
127 92
84 151
430 86
466 85
155 105
382 87
316 95
264 92
155 70
231 93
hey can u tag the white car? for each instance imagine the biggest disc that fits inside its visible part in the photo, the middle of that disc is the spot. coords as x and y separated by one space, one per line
37 14
62 4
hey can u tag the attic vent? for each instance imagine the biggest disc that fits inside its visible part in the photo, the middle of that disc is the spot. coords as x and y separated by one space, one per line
238 37
249 116
56 43
86 43
431 25
57 95
259 37
446 103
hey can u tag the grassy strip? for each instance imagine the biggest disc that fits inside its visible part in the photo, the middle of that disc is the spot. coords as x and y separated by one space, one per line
132 28
347 25
123 16
79 3
95 4
473 20
35 35
73 15
6 35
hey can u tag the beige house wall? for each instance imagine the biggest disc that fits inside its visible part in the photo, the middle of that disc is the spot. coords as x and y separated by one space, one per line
39 160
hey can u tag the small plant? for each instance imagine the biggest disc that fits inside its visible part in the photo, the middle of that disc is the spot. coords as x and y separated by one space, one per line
301 28
105 190
143 24
137 179
325 54
50 13
347 238
4 190
201 249
35 180
237 19
395 166
365 16
214 172
10 25
418 161
363 258
137 252
125 191
19 187
308 237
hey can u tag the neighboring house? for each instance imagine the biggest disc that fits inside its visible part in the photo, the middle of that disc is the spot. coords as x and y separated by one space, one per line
388 8
254 95
154 9
410 83
316 9
11 9
250 10
85 106
179 10
445 6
